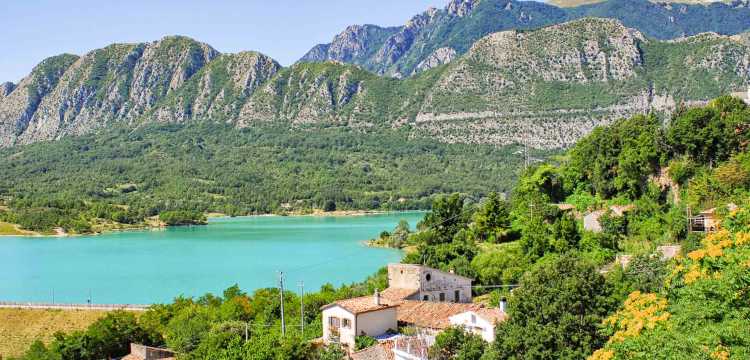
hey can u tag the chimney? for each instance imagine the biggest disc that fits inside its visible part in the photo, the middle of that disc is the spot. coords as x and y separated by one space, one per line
503 304
377 297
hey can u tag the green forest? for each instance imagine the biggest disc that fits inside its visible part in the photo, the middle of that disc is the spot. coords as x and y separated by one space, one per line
571 301
125 177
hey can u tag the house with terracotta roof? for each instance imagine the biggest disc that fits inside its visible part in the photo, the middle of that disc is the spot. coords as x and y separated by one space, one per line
430 317
344 320
481 322
417 282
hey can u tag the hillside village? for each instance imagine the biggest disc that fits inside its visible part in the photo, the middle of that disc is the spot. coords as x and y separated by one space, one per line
419 301
567 179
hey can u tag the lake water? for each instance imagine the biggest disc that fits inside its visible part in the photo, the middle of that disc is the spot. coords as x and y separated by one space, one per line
145 267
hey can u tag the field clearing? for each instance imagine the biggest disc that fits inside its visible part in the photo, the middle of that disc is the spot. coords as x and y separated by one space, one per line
12 229
21 327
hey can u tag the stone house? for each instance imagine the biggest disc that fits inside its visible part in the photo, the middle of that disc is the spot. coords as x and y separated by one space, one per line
344 320
591 220
417 282
142 352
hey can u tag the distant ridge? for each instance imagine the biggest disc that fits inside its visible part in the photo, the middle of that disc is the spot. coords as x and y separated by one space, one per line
436 36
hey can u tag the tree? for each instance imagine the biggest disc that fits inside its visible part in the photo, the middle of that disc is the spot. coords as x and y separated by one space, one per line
556 313
446 218
112 335
363 342
492 219
332 352
455 343
329 206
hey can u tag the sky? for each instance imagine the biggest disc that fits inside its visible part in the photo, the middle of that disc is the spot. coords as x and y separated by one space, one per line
33 30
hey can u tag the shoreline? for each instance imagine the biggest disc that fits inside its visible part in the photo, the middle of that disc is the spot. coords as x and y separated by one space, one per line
60 233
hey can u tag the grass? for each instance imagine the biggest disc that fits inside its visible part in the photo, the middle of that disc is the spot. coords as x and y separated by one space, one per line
19 328
12 229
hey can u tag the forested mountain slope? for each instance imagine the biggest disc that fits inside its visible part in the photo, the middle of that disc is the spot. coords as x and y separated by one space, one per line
439 36
122 176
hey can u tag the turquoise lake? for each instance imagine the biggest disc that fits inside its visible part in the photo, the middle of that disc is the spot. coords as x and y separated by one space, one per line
145 267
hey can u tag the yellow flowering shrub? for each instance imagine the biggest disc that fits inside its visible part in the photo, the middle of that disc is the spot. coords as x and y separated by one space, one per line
602 354
640 311
693 274
721 353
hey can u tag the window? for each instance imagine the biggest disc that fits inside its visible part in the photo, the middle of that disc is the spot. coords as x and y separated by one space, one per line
428 277
473 319
334 322
442 296
457 295
346 323
426 298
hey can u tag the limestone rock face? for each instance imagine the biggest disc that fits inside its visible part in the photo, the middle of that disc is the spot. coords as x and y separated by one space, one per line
461 7
441 56
218 91
6 88
530 87
353 45
306 94
19 106
119 83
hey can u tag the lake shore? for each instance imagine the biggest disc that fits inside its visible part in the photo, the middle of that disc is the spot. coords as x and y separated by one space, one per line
153 223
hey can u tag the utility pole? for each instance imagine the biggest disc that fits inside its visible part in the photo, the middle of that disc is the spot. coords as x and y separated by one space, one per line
281 293
302 307
531 209
53 296
246 331
526 154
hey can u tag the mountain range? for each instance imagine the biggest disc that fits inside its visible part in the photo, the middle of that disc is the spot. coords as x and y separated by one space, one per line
438 36
544 88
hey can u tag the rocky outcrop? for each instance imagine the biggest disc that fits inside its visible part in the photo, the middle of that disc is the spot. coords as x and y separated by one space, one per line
5 89
217 92
461 7
441 56
19 106
306 94
354 45
118 83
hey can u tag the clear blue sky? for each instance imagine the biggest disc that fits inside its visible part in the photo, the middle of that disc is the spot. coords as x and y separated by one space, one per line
283 29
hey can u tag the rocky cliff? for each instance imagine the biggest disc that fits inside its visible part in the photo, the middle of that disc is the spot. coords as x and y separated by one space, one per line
545 88
549 87
118 83
427 37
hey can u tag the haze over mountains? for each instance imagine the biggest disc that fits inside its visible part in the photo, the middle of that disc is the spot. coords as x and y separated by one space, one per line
467 77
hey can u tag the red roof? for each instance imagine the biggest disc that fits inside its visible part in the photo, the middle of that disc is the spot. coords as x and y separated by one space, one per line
361 304
429 314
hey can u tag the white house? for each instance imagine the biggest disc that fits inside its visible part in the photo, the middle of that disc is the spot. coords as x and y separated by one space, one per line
417 282
481 322
344 320
744 95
